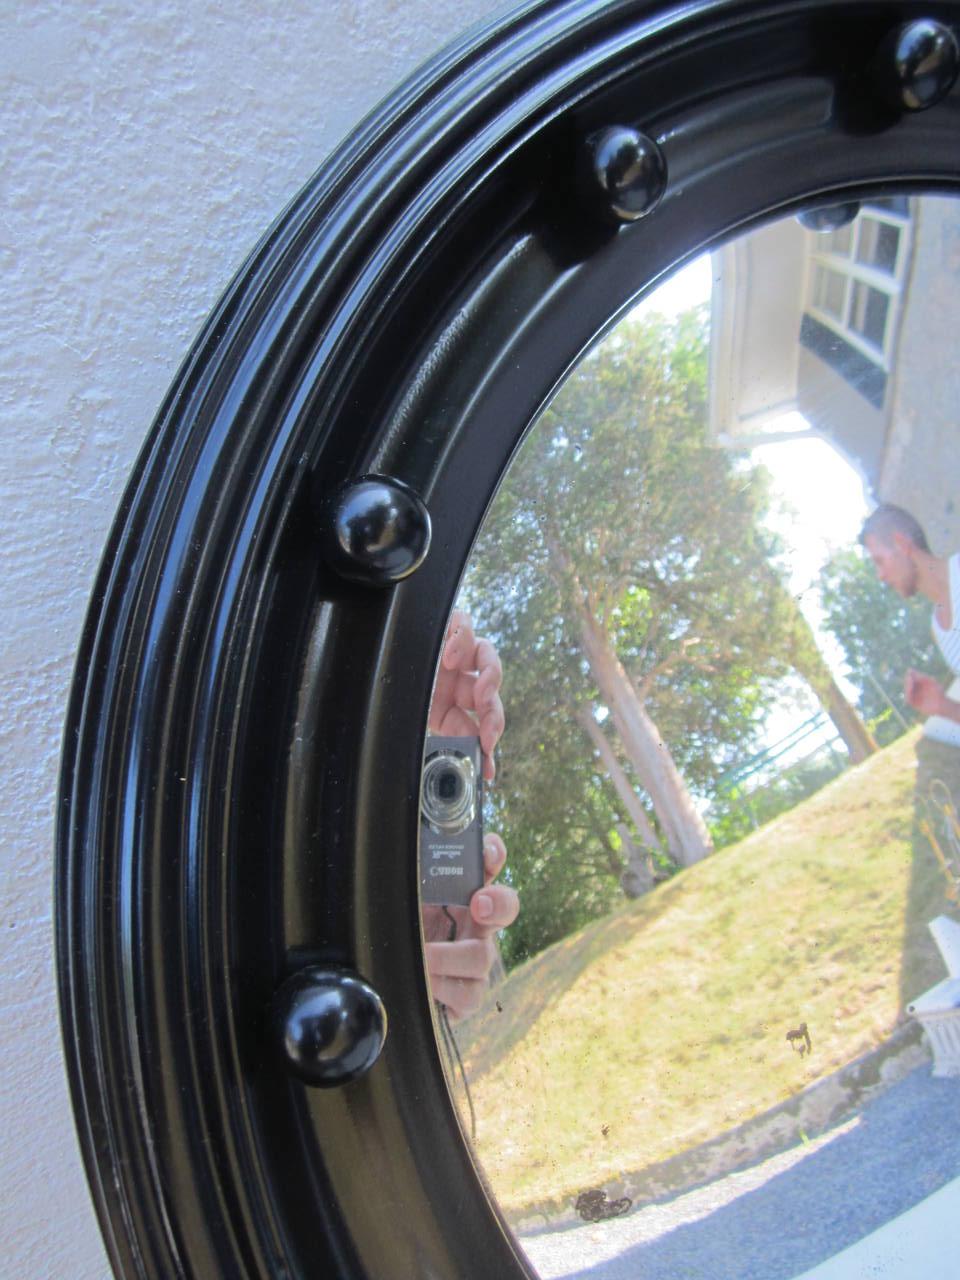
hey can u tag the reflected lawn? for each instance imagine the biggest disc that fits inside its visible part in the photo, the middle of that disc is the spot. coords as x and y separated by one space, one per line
666 1024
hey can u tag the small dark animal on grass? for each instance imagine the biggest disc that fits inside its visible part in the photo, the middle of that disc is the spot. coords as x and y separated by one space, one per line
593 1205
800 1039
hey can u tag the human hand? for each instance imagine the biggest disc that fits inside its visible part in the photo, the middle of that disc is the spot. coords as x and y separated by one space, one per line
458 970
923 693
466 700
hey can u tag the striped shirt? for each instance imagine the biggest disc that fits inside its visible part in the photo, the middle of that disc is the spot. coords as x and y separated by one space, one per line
948 642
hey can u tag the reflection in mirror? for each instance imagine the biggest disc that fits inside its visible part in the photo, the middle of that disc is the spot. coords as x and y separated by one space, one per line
721 1037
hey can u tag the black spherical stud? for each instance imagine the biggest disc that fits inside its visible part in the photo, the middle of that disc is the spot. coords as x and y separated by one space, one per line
377 531
828 217
628 171
917 65
330 1025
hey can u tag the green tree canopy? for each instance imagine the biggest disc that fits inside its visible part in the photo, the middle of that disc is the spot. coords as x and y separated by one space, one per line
621 519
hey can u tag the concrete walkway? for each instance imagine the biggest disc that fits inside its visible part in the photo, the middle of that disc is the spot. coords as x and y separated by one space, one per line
920 1243
792 1214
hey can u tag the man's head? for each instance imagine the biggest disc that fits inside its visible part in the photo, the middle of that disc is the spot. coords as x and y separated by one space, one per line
895 542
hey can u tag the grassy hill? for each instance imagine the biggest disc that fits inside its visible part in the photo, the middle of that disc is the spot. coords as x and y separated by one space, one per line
665 1024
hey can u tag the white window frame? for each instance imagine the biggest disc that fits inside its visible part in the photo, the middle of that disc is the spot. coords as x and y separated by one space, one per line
846 266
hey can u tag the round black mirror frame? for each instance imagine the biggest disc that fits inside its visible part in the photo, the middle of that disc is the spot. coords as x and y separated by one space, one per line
241 763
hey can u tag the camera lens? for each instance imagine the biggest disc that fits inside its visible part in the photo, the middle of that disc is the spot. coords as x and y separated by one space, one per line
449 785
448 793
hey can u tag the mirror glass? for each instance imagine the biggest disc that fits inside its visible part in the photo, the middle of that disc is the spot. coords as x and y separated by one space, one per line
721 1036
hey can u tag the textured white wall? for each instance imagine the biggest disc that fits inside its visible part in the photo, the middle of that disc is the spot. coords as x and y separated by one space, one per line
145 148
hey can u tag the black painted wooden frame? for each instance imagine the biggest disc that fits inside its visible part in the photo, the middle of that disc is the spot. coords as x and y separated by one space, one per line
241 762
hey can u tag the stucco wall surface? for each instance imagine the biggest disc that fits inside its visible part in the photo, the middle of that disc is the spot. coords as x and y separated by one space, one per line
145 149
920 471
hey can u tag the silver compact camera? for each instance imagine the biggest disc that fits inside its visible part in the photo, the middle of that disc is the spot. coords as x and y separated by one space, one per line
451 821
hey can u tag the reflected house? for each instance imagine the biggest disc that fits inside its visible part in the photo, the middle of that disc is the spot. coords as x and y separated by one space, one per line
855 329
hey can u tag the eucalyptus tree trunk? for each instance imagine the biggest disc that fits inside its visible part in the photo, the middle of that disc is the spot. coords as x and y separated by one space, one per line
810 663
685 832
637 878
618 775
688 839
857 738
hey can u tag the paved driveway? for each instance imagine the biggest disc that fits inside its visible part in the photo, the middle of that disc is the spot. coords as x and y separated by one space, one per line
787 1214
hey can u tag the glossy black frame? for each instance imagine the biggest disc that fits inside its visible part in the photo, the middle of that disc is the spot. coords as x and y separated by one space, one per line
240 771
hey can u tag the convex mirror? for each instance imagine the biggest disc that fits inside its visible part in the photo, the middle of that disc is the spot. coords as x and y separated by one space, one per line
728 819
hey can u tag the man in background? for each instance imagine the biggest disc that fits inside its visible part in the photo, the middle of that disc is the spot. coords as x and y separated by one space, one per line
898 547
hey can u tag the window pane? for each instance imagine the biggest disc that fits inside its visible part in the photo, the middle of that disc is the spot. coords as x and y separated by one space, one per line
829 292
878 245
868 314
865 240
839 241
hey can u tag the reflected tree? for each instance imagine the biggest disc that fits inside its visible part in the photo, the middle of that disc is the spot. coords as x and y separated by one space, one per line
627 575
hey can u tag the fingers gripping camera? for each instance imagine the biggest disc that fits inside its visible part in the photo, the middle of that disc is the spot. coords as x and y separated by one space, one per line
451 822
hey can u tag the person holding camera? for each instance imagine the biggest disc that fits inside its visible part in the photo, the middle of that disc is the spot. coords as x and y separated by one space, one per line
460 946
897 545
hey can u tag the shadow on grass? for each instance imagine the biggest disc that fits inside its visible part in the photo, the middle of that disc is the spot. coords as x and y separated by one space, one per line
938 770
